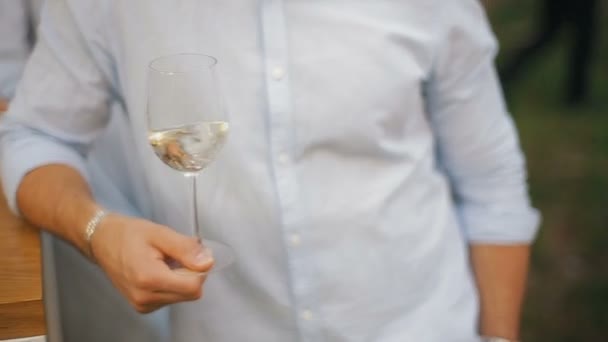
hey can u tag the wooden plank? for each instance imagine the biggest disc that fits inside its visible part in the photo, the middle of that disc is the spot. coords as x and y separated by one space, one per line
20 269
21 306
22 319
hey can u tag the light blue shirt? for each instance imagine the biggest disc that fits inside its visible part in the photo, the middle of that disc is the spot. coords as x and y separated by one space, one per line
369 145
18 20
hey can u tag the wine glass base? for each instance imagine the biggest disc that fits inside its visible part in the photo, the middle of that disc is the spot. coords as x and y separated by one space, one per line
223 256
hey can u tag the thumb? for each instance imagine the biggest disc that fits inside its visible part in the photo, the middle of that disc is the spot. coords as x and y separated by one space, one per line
186 250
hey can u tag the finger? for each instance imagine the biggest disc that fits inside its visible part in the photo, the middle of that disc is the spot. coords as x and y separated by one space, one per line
185 283
147 302
185 250
146 309
3 105
158 277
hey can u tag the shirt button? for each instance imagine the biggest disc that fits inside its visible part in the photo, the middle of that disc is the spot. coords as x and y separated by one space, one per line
283 158
307 315
295 240
278 73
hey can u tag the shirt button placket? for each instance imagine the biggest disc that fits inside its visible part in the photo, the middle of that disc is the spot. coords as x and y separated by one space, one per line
281 140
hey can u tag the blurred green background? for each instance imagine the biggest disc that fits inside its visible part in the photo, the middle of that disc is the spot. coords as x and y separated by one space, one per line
567 151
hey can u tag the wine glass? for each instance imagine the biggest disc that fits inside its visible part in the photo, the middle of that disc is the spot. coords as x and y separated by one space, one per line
188 126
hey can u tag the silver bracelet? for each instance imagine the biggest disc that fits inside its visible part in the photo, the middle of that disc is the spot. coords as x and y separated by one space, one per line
91 228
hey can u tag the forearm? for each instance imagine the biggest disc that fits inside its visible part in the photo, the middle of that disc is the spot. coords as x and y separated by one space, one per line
501 273
58 199
132 252
3 105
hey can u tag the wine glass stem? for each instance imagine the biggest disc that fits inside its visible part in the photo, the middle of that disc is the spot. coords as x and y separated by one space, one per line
196 227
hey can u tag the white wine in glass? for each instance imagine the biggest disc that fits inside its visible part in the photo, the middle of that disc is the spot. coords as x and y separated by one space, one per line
189 148
188 126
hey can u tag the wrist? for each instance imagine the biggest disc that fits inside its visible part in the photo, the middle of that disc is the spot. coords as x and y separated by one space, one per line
72 217
497 339
91 228
499 324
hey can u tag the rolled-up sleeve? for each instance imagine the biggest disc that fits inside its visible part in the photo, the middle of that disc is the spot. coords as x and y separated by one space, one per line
60 106
477 141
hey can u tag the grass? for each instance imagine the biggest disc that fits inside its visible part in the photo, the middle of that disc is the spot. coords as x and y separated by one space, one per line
567 151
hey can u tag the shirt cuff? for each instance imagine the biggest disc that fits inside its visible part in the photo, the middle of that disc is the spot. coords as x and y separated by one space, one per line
491 226
20 156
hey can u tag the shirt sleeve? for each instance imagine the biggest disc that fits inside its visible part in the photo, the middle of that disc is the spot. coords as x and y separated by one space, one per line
477 142
60 106
14 44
